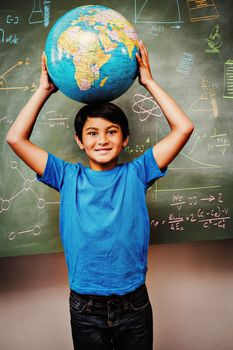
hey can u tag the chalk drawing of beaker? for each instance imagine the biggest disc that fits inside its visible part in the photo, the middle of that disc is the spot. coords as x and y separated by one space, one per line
37 15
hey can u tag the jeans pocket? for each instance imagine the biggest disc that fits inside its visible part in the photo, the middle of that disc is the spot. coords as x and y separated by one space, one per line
77 305
139 301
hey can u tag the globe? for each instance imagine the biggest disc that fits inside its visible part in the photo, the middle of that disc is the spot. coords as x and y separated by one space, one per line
90 54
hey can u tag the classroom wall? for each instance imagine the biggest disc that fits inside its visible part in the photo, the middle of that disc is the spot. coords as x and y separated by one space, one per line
190 286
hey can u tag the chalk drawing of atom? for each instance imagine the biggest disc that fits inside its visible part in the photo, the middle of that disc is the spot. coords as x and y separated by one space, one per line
146 107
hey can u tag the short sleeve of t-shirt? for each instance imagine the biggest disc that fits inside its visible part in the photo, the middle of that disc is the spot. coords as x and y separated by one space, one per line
53 175
147 168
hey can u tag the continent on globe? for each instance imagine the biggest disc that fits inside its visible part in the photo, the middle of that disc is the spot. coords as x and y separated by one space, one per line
90 54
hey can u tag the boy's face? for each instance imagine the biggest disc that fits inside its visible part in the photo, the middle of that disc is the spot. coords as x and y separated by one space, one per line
102 141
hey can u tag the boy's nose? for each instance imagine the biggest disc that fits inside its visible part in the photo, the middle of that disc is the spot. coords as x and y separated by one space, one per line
102 139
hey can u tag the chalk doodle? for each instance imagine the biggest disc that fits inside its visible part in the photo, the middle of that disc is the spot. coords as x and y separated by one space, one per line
39 15
4 86
228 79
146 106
6 203
202 10
214 40
143 14
186 63
207 101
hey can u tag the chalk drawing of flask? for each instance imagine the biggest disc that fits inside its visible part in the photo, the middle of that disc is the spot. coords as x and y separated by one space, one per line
37 15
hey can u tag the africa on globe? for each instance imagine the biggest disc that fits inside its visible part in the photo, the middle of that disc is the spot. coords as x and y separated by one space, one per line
90 54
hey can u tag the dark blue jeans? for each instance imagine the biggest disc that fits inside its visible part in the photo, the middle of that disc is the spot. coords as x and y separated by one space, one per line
112 323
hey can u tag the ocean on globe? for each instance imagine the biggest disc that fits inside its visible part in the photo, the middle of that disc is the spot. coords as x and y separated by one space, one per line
90 54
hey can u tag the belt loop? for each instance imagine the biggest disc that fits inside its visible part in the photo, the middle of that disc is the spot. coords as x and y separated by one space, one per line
89 304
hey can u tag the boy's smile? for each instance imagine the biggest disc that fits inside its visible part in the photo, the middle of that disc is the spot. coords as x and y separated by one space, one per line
102 141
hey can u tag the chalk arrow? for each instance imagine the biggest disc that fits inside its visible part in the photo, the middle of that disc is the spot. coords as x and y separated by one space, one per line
176 27
24 88
210 199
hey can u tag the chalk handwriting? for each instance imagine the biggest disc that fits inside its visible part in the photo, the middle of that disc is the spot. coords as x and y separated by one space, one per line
12 20
138 148
214 141
206 211
6 120
54 119
9 38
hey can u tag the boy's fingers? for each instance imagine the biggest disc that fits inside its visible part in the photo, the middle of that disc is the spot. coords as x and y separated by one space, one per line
139 59
142 50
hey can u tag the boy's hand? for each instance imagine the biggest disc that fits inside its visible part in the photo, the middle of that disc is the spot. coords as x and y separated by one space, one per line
45 81
145 75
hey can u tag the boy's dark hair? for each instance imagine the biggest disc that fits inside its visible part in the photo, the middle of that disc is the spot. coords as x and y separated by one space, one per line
107 111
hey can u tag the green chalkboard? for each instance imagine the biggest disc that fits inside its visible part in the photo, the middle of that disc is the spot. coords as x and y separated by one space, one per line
190 47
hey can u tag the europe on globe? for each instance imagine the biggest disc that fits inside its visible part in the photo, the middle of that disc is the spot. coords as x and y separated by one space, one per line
90 54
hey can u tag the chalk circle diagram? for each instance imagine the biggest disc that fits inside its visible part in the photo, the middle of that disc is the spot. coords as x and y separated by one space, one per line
145 106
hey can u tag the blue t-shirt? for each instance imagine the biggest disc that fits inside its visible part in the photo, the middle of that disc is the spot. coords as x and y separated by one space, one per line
104 222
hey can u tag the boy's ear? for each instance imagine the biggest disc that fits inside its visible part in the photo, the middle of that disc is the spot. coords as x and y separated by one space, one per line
79 142
125 142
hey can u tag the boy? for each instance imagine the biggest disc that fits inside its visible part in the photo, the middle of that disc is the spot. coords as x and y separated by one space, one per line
104 221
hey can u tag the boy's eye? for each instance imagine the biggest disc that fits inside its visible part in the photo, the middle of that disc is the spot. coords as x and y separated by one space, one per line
92 133
112 131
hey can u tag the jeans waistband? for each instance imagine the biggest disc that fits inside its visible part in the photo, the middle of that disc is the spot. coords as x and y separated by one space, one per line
104 299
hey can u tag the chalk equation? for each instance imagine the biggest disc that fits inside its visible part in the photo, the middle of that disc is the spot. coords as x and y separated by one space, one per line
54 119
6 120
213 141
207 211
12 19
139 148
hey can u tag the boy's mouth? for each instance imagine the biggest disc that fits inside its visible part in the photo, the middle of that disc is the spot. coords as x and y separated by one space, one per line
103 149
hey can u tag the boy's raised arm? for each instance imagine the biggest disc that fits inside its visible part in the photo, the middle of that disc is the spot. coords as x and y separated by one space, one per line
20 131
181 126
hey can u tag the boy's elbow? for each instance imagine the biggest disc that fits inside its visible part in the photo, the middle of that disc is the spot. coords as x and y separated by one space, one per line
12 139
188 129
